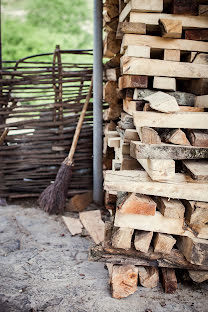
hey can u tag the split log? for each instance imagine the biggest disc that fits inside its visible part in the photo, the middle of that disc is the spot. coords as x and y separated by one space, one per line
163 243
148 276
170 208
121 238
93 224
162 102
74 225
198 276
129 81
169 280
176 136
142 240
171 28
159 169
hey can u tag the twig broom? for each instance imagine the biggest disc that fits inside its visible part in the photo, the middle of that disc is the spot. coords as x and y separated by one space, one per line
53 198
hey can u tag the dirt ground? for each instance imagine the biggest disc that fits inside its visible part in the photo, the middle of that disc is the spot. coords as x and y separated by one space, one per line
44 268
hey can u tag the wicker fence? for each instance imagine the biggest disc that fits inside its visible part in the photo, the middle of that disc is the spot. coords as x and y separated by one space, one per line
40 103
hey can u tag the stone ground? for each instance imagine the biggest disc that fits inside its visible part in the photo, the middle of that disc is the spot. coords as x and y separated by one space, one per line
44 268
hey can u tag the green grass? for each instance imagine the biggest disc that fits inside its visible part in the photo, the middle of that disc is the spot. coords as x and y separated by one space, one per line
37 26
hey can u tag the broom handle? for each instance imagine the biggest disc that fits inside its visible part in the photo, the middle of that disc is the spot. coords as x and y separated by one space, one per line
70 156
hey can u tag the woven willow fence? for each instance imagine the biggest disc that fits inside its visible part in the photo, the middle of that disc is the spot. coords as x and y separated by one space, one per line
40 103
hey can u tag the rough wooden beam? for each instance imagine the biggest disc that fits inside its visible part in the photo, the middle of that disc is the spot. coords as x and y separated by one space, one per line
159 169
196 212
163 243
171 208
138 51
130 81
171 28
198 138
162 102
121 238
201 101
94 225
142 240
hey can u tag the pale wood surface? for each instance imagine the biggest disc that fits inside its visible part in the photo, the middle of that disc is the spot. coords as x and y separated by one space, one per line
162 102
159 169
121 238
74 225
142 240
93 223
148 276
164 83
171 208
163 243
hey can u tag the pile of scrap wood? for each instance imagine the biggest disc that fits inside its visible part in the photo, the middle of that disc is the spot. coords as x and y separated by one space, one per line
156 136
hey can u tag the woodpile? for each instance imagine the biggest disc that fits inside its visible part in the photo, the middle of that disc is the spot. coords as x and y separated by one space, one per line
156 135
40 105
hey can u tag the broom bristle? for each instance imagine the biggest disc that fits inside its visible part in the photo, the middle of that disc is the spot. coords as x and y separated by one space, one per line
53 198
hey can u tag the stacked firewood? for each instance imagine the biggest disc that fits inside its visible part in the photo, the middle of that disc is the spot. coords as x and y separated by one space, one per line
156 134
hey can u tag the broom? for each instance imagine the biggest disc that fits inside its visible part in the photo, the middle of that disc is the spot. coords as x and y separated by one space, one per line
53 198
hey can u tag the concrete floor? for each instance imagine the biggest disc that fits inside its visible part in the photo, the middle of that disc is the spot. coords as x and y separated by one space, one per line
44 268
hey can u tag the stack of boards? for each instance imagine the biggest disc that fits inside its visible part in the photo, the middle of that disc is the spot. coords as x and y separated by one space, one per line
156 142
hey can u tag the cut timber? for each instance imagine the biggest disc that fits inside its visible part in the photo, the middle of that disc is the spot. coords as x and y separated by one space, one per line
121 238
148 276
203 10
169 280
137 51
149 136
114 142
129 81
141 6
163 43
79 202
93 224
111 45
201 58
198 138
142 240
201 101
130 28
198 276
124 281
110 93
172 55
162 102
198 170
164 83
171 208
140 150
156 223
130 134
195 250
171 28
74 225
132 106
126 121
188 7
178 120
159 169
129 163
196 212
163 243
175 136
138 204
196 34
153 67
181 186
153 19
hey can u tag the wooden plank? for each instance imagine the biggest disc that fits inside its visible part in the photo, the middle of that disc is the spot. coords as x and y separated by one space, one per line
154 67
148 276
162 102
130 28
140 150
138 51
164 83
177 120
181 187
171 28
201 101
198 138
142 240
156 223
195 250
121 238
153 19
93 224
159 169
74 225
198 170
124 281
163 43
170 208
188 7
132 81
137 204
114 142
172 55
169 280
141 6
175 136
163 243
196 34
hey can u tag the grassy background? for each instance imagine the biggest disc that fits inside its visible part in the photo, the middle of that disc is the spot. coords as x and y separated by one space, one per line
36 26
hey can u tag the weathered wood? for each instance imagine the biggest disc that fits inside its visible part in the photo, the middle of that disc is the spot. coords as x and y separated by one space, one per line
196 34
159 169
169 280
195 250
155 42
121 238
162 102
140 150
137 204
172 55
153 67
182 186
124 281
163 243
110 94
203 9
138 51
188 7
171 208
178 120
142 240
148 135
93 223
132 81
198 170
148 276
171 28
74 225
196 212
198 138
175 136
164 83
